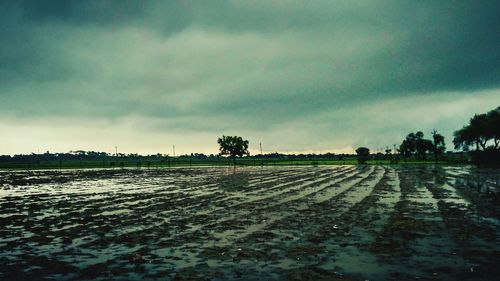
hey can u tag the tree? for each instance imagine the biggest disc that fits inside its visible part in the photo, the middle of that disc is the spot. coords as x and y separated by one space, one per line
479 129
492 129
483 133
407 147
415 144
463 139
363 154
420 145
482 128
233 146
438 145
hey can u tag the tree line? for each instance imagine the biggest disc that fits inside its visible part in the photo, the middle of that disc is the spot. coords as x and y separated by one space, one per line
482 134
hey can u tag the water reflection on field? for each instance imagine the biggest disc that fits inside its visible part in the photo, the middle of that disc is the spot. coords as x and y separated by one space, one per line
251 223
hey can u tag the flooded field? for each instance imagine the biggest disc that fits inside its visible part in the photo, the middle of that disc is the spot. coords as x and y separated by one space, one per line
251 223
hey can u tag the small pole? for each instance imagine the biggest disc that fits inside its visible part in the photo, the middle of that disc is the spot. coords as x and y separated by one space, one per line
261 154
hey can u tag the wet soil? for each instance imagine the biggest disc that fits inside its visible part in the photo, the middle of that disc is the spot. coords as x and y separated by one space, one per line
251 223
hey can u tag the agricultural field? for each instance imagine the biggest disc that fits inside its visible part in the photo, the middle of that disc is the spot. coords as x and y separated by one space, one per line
343 222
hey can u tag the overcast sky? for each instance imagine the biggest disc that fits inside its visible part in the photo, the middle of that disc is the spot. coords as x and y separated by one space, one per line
298 76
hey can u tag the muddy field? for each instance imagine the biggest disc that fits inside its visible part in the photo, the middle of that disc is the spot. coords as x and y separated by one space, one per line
252 223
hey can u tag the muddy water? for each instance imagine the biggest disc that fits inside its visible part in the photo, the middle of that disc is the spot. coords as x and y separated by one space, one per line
251 223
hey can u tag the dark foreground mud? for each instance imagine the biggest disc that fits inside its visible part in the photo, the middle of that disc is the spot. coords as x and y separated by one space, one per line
269 223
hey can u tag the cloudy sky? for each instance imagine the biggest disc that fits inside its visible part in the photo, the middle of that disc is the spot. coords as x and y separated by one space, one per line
298 76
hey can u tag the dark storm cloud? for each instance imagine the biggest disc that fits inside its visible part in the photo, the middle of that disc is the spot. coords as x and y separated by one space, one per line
261 65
